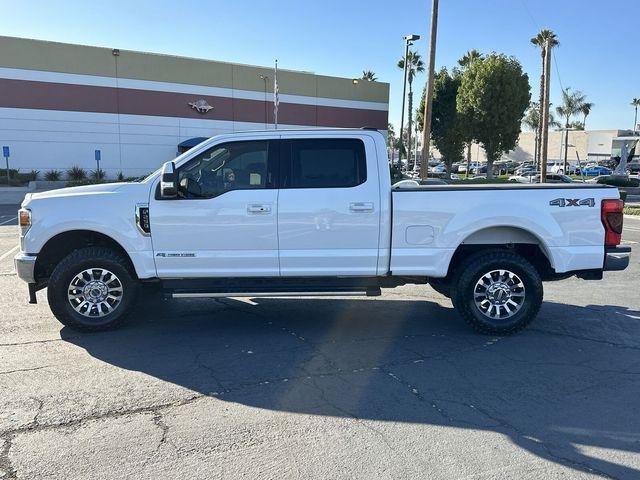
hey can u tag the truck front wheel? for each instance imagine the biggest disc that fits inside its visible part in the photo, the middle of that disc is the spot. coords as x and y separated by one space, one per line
497 292
92 289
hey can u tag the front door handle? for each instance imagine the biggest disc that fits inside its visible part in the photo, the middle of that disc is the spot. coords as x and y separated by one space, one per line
258 209
361 207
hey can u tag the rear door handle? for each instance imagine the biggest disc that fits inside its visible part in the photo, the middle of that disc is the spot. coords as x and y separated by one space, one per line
361 206
258 209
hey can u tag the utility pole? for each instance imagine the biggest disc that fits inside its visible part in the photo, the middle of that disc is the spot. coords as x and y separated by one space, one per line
544 133
426 132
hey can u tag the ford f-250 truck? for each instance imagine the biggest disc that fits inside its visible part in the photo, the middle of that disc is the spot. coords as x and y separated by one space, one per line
303 213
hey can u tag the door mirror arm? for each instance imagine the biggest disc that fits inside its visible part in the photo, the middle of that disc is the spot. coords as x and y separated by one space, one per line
169 182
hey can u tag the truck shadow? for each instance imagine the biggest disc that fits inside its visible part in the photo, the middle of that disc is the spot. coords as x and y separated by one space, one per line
561 390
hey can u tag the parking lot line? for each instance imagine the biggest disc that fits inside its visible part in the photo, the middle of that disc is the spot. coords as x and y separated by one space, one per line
6 254
10 220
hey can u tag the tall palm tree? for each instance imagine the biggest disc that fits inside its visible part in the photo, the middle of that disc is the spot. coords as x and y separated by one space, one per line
414 66
465 62
585 110
572 103
635 103
369 76
468 58
540 40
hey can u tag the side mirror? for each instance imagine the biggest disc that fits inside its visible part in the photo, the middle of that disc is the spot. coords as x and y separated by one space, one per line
168 181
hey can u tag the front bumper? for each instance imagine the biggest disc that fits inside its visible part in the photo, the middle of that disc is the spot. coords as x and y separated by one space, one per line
616 258
25 267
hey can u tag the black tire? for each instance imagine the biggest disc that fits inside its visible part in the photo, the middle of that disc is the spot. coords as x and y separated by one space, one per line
95 260
441 287
527 298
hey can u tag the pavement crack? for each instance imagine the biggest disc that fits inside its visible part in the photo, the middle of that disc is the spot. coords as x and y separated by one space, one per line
7 471
587 339
8 372
525 438
158 421
36 342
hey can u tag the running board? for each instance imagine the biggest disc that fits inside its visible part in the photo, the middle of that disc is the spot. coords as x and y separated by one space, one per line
368 293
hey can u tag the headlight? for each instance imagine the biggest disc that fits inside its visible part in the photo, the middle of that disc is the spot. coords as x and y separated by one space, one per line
24 221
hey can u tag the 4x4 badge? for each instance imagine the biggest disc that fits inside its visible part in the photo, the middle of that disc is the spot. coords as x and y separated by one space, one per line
573 202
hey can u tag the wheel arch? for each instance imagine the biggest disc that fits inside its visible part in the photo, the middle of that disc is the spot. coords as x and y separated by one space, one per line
62 244
507 237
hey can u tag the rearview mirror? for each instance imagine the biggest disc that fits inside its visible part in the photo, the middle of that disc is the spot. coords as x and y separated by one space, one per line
168 181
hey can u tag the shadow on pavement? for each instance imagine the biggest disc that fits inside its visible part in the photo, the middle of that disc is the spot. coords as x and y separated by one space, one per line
559 396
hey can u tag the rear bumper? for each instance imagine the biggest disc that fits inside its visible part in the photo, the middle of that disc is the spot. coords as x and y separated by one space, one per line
616 258
25 267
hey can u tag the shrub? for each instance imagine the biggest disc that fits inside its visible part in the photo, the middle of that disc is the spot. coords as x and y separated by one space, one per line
76 174
53 175
34 174
98 174
120 177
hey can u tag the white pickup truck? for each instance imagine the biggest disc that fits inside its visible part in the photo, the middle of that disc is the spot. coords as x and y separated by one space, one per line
303 213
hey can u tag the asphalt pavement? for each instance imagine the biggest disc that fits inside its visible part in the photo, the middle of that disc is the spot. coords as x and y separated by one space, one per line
389 387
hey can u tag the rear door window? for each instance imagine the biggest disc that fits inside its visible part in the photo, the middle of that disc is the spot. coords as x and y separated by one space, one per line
324 163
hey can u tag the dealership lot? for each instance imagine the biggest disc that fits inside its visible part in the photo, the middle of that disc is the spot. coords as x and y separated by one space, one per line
389 387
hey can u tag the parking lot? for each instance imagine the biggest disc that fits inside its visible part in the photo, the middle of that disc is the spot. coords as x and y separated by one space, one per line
387 387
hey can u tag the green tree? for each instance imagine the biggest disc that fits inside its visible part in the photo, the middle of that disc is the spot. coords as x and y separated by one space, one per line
540 40
392 140
415 65
465 62
369 76
493 96
446 123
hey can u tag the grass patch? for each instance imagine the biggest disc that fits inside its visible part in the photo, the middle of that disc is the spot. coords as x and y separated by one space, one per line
632 211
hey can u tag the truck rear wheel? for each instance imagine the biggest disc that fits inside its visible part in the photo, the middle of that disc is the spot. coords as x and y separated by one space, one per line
92 289
497 293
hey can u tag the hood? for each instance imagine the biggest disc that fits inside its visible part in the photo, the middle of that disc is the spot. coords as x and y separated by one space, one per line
83 191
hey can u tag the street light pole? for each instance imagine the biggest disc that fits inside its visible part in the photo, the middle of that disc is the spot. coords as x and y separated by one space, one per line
426 132
407 42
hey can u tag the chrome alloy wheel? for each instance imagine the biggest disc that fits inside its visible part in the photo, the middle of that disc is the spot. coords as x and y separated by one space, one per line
499 294
95 292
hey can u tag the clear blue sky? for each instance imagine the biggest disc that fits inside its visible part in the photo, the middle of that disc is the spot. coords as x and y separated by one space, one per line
598 51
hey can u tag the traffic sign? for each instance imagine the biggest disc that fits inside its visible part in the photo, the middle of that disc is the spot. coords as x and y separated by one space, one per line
5 151
97 155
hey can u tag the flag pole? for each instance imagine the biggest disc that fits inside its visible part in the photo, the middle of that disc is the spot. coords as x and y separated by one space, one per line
276 96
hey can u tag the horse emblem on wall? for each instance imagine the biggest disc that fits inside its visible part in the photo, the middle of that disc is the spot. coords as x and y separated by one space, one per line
201 106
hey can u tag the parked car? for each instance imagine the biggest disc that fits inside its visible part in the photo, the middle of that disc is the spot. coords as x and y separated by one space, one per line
572 169
597 170
527 177
551 178
310 213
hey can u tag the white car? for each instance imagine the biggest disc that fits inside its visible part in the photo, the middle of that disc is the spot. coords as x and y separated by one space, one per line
310 213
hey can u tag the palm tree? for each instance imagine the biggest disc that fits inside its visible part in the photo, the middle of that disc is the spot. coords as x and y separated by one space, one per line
468 58
532 121
572 104
369 76
465 62
540 40
635 103
585 110
414 66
